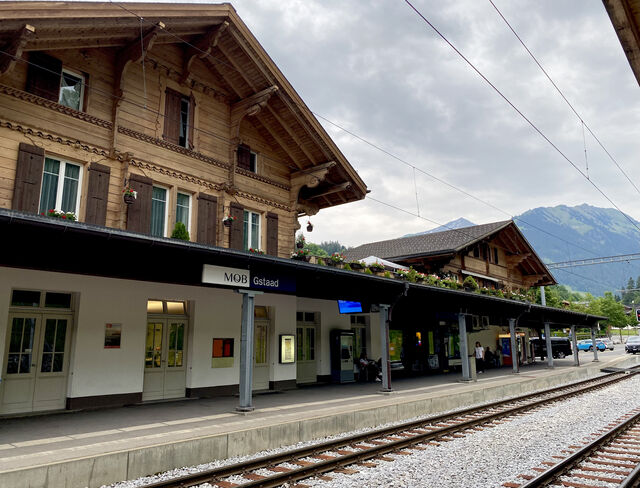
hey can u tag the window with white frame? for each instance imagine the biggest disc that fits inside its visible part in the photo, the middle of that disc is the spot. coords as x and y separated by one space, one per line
61 183
251 230
158 211
183 209
71 89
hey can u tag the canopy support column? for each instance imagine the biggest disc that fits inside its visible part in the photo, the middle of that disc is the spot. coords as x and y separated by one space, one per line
514 346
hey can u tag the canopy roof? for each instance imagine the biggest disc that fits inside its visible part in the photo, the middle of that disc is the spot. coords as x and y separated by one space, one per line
107 252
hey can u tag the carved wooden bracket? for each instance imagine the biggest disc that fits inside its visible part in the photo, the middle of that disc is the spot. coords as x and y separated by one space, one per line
518 258
201 48
307 208
13 49
133 53
248 107
310 178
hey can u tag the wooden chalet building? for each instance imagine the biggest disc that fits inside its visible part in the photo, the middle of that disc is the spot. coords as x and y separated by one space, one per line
496 255
178 102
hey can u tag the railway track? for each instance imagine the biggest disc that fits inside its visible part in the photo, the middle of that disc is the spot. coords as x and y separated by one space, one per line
364 450
613 457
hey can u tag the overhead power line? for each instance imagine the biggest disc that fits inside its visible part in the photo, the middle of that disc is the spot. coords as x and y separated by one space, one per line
520 113
591 261
584 124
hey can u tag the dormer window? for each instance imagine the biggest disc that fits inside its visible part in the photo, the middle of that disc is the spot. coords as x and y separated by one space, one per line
247 159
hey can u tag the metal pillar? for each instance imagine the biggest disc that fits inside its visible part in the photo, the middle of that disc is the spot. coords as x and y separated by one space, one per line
384 343
574 346
464 347
543 298
515 358
246 350
547 336
593 343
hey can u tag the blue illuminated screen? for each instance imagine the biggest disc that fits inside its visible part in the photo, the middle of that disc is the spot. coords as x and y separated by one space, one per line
346 306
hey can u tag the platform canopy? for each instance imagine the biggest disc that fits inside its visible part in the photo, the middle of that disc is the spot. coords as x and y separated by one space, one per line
43 243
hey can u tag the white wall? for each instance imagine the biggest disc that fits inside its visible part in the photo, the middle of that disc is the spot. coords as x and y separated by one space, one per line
95 370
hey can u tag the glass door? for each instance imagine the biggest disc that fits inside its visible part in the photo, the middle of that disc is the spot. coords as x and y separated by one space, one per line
164 361
36 368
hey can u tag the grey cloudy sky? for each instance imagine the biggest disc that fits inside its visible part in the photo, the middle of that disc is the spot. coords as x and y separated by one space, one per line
376 68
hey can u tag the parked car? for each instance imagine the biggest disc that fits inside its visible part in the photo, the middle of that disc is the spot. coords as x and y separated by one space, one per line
587 345
608 343
633 344
561 347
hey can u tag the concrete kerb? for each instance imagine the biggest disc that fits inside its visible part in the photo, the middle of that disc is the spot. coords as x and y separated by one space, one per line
107 468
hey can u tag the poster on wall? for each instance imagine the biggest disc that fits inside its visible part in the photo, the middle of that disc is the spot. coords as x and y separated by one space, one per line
287 349
112 335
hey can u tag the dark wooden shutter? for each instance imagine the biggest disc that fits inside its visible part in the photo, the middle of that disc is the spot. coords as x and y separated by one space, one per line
207 219
139 212
272 234
97 194
29 168
236 235
244 157
192 113
43 76
172 116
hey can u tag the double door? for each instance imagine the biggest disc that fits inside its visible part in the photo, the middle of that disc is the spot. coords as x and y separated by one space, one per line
165 359
35 371
306 368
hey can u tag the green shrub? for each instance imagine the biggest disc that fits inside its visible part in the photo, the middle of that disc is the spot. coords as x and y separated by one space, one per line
347 267
180 232
470 283
387 274
368 271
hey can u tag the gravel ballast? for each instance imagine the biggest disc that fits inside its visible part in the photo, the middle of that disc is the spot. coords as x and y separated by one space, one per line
486 458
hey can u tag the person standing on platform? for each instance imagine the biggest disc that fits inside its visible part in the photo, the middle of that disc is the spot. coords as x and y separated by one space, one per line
479 358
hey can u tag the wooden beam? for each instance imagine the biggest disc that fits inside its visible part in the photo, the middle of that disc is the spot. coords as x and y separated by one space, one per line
279 141
220 76
292 135
133 53
248 107
201 48
12 50
334 189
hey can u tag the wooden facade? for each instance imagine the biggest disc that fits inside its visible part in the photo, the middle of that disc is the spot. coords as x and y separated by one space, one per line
496 255
180 103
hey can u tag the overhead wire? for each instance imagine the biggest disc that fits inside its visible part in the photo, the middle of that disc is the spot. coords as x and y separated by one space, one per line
584 124
519 112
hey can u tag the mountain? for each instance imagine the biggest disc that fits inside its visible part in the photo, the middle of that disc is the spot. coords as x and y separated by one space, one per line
569 233
460 223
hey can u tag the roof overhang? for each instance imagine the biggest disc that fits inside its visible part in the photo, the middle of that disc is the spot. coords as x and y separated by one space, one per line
42 243
625 17
236 62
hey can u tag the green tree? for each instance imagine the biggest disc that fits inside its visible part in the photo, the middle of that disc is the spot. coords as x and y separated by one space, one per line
331 247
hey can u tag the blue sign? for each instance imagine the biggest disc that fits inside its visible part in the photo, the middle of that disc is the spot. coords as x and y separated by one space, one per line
345 306
272 282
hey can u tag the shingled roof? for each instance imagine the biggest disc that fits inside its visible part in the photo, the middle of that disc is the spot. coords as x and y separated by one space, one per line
438 243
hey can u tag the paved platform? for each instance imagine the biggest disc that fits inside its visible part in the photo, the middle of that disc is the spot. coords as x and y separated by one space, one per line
92 448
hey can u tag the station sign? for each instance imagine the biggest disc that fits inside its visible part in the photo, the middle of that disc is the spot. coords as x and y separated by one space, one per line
243 278
219 275
272 281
